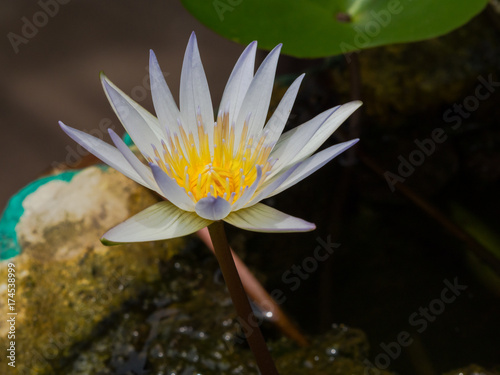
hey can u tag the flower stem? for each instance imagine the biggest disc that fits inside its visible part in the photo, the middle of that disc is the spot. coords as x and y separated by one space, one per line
240 300
258 294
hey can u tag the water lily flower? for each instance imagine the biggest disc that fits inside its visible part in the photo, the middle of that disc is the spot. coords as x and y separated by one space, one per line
210 169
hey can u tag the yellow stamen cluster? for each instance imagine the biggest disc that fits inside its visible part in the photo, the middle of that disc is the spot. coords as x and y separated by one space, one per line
225 172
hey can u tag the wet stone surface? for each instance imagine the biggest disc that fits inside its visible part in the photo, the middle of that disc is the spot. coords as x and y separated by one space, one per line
188 326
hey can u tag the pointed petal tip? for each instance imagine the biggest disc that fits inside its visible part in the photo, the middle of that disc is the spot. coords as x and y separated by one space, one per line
298 80
192 39
305 227
114 137
107 242
355 103
354 141
106 83
276 49
65 128
349 144
252 47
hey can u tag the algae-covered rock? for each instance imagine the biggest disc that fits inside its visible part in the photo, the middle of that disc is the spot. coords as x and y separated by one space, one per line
188 326
342 350
66 282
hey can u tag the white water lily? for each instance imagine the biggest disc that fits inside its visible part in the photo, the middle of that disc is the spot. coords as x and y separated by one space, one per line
214 170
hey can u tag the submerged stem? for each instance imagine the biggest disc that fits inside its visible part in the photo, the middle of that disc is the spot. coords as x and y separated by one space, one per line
240 300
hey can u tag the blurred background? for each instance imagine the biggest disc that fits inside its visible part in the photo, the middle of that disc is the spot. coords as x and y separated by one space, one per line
394 255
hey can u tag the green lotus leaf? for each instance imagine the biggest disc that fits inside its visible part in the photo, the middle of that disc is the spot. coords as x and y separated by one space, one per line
317 28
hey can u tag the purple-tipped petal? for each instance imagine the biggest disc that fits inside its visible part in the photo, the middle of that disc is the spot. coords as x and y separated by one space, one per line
238 83
151 120
301 142
249 192
137 127
212 208
134 162
311 165
272 185
278 120
107 153
171 189
258 96
289 146
194 92
163 101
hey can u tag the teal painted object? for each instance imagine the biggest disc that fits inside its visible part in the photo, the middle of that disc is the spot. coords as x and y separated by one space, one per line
9 245
128 141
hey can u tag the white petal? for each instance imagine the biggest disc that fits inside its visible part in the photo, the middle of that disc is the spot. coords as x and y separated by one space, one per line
318 119
151 120
238 83
271 185
327 129
302 141
249 192
211 208
289 146
163 101
277 122
262 218
258 96
160 221
311 165
172 190
107 153
194 92
139 130
134 162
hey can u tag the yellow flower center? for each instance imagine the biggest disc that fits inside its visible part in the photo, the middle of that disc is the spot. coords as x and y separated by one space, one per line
225 172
